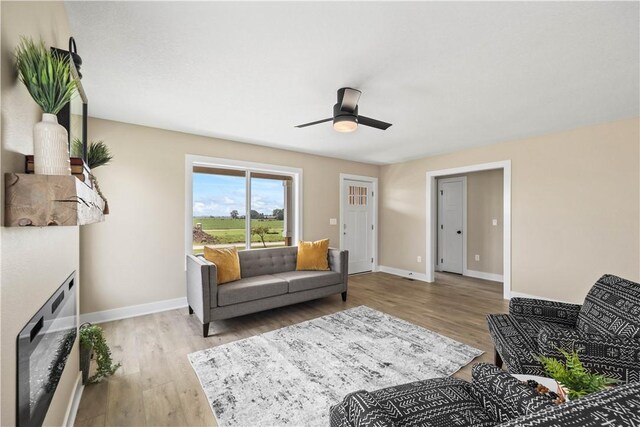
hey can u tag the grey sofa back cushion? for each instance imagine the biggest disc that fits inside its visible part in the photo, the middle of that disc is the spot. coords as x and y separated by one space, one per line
612 307
258 262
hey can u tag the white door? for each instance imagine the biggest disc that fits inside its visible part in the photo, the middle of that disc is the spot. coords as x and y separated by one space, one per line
357 227
451 224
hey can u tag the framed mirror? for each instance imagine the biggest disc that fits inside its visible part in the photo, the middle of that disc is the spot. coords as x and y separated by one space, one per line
73 116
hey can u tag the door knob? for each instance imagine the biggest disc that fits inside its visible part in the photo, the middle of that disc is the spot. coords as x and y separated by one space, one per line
459 231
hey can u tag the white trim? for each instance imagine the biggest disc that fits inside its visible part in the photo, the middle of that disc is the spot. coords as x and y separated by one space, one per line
482 275
133 310
431 224
373 180
192 160
74 403
403 273
523 295
464 221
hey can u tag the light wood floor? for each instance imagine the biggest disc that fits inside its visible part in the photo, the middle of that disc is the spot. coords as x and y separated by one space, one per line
156 385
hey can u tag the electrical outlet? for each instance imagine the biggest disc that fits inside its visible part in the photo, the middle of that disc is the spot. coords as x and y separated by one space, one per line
477 257
494 222
333 221
419 259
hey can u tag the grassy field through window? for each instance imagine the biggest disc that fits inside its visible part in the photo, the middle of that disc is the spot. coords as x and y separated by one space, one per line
231 231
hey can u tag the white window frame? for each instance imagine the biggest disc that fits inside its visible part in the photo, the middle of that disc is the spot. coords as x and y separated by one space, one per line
192 160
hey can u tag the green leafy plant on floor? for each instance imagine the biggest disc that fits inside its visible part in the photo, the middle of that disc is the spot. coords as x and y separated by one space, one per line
98 154
45 74
92 337
573 375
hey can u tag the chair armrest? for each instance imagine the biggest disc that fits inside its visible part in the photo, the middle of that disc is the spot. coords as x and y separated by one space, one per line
359 409
548 311
201 279
613 356
503 395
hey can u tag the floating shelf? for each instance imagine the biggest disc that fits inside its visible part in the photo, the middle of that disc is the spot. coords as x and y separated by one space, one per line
46 200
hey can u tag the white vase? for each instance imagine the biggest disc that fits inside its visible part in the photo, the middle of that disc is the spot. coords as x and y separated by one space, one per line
50 147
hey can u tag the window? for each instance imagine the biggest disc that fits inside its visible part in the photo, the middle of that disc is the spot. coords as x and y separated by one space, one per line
246 205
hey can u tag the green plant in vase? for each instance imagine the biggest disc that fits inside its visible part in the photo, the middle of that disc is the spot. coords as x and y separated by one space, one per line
47 77
98 154
92 339
573 376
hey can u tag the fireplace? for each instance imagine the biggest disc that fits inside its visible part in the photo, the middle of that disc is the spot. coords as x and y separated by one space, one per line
44 345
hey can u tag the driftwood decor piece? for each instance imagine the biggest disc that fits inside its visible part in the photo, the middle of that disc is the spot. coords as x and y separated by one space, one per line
45 200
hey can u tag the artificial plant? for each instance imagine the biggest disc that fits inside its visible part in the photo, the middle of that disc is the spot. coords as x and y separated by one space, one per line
98 154
92 338
573 375
45 74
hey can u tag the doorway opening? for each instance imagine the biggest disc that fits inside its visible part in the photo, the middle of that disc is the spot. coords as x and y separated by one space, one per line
448 231
358 221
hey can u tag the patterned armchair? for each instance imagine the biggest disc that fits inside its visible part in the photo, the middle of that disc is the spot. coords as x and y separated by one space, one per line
605 330
494 398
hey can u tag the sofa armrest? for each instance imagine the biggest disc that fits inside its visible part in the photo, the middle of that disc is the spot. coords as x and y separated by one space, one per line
201 279
614 356
503 395
339 262
359 409
547 311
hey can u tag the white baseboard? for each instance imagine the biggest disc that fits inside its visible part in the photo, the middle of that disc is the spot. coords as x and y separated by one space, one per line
74 403
403 273
523 295
133 310
482 275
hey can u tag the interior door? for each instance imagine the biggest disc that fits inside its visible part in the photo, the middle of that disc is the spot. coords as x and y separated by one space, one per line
357 227
451 224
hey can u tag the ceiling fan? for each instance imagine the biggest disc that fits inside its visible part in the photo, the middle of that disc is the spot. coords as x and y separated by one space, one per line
345 113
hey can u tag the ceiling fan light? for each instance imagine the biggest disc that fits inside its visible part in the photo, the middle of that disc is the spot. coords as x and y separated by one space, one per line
345 124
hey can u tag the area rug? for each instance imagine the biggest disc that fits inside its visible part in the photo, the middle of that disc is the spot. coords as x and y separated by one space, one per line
291 376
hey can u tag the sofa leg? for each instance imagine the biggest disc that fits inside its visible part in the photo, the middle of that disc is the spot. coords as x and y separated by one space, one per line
497 360
344 296
205 330
190 310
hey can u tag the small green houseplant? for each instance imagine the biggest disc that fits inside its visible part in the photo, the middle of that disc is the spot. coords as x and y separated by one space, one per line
98 154
573 376
47 77
92 340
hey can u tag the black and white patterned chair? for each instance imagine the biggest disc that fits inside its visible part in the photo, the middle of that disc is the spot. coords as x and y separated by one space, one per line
605 331
494 398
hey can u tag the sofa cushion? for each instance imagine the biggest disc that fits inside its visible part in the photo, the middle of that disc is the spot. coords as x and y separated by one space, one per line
306 280
612 307
251 288
257 262
226 261
313 255
516 340
438 402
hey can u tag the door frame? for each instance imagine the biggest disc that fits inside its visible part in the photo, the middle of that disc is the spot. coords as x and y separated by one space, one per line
431 222
464 220
374 241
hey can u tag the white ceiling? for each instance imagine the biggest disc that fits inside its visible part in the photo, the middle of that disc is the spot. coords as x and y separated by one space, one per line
449 76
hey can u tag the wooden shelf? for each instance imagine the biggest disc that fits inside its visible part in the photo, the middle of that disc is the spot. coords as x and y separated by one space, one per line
46 200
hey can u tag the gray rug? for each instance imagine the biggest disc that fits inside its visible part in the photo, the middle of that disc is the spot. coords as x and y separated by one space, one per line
291 376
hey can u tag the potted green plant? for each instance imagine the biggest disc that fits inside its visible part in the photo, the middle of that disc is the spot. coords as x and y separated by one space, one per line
98 154
47 77
572 376
92 341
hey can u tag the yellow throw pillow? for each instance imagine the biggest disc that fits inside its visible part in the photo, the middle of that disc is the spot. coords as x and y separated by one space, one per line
226 261
313 255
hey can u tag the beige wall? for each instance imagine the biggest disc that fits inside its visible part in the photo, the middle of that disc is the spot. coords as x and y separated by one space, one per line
35 261
484 204
137 255
575 207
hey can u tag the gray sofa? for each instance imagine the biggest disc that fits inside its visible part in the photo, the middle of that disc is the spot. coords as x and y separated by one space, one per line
269 280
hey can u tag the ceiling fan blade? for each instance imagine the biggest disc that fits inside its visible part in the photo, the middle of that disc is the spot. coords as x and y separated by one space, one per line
350 99
373 123
315 123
